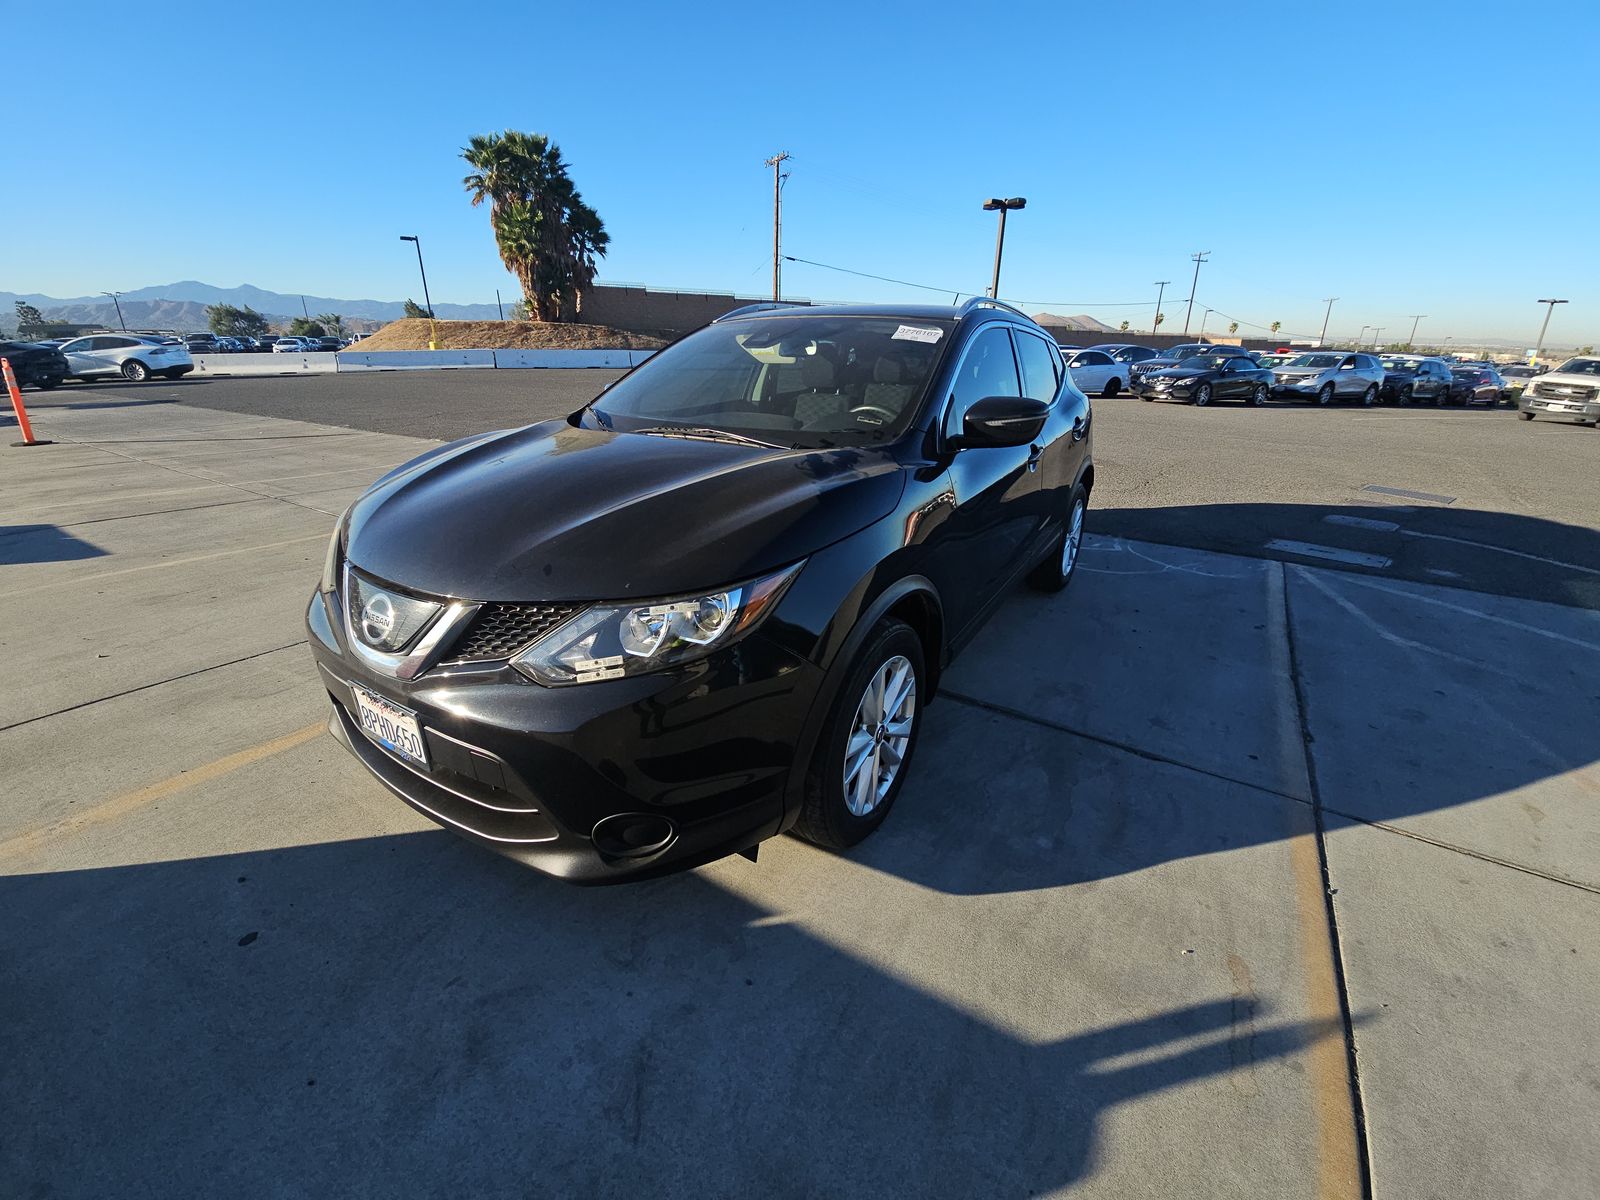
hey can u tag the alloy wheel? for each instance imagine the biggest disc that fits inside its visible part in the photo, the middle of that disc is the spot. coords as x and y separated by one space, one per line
1202 395
1073 542
880 734
1258 395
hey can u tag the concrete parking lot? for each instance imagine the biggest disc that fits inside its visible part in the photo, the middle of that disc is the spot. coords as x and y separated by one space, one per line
1235 870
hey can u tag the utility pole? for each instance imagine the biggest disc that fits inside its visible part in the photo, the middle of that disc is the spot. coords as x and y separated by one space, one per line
1155 326
498 305
1323 336
1189 312
1411 344
776 162
304 311
1550 308
118 303
996 204
433 336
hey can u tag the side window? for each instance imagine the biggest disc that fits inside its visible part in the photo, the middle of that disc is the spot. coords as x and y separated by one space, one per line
1098 358
987 369
1348 364
103 343
75 345
1039 378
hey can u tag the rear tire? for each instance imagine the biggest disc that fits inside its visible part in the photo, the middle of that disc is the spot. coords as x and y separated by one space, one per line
1406 396
1113 386
1056 570
826 817
135 371
1442 400
1370 396
1258 395
1525 416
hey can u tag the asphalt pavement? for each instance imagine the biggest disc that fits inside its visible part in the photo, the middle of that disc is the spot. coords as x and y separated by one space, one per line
1217 875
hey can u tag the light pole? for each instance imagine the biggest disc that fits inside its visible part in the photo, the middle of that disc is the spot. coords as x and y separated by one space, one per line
1550 307
995 204
1376 330
1161 284
118 303
1361 338
1202 334
1411 343
1323 336
433 341
1189 312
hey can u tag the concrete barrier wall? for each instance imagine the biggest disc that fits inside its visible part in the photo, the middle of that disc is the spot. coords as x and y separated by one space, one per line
413 360
265 364
524 359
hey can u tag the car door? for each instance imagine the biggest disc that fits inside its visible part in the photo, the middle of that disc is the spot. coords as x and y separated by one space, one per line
1062 441
1346 378
997 488
79 360
1091 370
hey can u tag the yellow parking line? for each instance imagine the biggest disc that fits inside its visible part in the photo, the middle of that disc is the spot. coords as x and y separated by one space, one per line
169 562
1327 1068
121 806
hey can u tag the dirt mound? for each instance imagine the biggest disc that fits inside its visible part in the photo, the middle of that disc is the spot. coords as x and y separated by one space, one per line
412 334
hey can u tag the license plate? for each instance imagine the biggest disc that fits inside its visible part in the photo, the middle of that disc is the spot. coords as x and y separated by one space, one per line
392 727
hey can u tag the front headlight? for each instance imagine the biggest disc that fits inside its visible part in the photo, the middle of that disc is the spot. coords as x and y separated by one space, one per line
609 641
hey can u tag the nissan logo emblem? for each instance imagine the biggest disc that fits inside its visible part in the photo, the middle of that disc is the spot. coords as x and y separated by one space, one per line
377 619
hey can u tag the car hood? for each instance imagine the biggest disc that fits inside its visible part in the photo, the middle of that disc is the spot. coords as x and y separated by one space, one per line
560 512
1560 380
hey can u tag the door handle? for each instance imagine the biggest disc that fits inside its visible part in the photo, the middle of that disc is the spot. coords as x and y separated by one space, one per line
1035 452
1079 428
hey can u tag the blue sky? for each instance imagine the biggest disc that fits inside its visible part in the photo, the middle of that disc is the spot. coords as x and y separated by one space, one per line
1386 154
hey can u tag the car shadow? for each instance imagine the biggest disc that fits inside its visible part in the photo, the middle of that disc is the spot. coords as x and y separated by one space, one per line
1174 704
41 544
405 1015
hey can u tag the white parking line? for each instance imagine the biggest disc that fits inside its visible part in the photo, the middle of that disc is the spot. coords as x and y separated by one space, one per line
1331 553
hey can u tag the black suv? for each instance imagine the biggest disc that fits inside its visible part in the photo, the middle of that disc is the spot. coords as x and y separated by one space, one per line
1408 377
710 605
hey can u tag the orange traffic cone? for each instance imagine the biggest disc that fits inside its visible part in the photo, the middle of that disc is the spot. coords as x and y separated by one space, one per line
16 402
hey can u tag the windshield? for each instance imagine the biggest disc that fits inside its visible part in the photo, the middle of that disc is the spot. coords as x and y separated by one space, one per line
1320 361
1183 352
798 381
1205 362
1580 366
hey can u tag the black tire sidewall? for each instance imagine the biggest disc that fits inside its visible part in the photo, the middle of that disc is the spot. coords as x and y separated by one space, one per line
135 372
827 819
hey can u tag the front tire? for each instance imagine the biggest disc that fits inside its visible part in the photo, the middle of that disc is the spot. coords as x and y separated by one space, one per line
1325 396
1202 395
1406 395
1525 416
135 371
1056 570
861 760
48 383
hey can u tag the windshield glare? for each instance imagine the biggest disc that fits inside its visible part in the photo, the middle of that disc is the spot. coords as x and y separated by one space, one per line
804 381
1580 366
1320 361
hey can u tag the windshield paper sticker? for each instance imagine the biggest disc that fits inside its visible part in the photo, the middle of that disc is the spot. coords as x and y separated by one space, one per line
911 333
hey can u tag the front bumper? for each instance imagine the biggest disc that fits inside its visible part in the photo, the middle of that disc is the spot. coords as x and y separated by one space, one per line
555 777
1305 389
1582 411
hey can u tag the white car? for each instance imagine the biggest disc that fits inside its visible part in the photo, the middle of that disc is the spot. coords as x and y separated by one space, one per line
1096 373
294 345
136 359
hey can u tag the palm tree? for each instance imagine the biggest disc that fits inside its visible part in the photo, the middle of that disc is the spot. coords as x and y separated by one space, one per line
1277 325
548 237
1233 327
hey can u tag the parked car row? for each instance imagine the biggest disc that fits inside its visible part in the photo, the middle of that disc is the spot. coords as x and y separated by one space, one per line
1200 372
208 343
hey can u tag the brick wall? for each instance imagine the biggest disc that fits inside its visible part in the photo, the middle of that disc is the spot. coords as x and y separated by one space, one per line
650 310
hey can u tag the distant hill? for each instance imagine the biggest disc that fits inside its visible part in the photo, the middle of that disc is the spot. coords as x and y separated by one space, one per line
184 303
1085 323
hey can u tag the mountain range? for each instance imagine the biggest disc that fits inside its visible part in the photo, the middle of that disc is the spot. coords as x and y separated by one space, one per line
182 306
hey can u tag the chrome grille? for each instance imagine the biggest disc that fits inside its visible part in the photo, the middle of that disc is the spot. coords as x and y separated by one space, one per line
500 630
1563 391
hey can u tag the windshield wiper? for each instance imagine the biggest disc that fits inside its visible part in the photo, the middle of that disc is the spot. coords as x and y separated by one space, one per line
703 433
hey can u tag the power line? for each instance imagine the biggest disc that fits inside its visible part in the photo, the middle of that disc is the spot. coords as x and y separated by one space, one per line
961 292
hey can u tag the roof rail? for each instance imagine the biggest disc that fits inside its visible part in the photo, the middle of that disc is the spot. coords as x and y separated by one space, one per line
762 307
991 302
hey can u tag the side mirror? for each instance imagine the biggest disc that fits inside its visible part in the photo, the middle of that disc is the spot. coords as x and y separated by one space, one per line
1001 421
